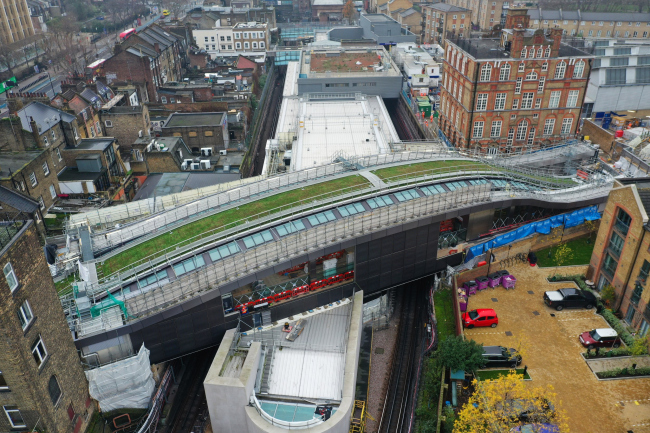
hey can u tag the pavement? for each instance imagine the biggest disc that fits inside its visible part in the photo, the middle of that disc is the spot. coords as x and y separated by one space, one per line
552 353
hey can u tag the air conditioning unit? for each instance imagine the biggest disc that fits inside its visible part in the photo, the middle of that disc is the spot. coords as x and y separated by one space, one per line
223 152
205 164
196 166
140 133
206 151
187 164
149 146
184 166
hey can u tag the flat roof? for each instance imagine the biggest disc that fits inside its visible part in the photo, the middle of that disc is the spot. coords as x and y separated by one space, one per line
492 49
161 184
332 127
311 367
331 62
378 18
93 144
193 119
72 174
11 162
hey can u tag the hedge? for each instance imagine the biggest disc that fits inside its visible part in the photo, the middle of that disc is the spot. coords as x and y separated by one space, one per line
627 371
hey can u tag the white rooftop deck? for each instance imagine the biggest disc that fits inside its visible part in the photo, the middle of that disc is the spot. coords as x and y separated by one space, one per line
311 367
291 80
358 127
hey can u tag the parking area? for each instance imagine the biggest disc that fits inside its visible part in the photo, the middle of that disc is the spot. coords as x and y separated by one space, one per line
552 353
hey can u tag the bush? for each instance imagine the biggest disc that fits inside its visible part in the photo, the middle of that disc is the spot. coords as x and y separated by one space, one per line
459 354
621 351
641 371
450 418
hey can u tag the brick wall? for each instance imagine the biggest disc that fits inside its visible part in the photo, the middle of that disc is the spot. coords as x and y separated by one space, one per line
42 187
126 126
14 137
162 162
125 66
604 138
28 383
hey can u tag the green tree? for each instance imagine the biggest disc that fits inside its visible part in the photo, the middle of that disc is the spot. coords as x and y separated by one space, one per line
348 10
608 295
562 255
459 354
639 347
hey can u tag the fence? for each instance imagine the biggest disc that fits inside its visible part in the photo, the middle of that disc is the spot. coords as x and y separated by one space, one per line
157 402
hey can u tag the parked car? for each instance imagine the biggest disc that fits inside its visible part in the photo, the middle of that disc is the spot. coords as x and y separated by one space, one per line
536 428
569 298
480 317
499 356
604 337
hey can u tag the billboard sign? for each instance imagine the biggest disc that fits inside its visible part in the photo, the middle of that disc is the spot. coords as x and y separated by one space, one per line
7 85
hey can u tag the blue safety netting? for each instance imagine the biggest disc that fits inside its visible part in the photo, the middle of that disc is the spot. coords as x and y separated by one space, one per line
570 219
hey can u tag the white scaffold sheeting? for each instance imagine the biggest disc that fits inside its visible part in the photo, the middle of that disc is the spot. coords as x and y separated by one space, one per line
125 384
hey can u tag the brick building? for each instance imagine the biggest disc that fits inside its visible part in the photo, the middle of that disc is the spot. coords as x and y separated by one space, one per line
442 20
13 203
621 256
152 58
86 113
126 124
200 131
593 24
15 22
250 39
43 387
160 155
524 90
485 13
411 20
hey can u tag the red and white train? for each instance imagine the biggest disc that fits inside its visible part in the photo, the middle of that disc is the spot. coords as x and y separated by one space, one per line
315 285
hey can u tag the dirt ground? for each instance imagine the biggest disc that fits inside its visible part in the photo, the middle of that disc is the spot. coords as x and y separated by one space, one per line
552 354
343 63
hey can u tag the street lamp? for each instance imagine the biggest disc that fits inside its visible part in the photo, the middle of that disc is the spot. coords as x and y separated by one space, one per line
51 85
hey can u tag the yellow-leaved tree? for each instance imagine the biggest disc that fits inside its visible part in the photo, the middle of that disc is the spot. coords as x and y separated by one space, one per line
501 404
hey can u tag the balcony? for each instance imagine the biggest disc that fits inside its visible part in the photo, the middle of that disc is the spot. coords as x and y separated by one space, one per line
636 295
614 250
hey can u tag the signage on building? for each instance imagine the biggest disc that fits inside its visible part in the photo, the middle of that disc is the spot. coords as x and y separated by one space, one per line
7 85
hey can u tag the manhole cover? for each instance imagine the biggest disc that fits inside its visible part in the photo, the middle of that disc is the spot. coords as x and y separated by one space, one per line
552 315
536 313
379 351
530 292
495 300
508 334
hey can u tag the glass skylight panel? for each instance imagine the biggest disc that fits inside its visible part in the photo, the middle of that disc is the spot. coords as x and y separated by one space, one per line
321 218
409 194
290 227
224 251
351 209
382 201
257 239
432 189
188 265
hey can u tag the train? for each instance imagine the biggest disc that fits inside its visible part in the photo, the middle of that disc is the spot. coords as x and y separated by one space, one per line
315 285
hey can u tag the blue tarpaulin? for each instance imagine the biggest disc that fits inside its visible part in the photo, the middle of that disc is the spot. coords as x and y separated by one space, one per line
571 219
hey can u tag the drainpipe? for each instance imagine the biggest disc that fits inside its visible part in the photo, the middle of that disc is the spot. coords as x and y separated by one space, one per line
629 276
471 110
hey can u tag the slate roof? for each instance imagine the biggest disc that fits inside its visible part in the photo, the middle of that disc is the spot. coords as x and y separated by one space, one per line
446 7
40 112
17 201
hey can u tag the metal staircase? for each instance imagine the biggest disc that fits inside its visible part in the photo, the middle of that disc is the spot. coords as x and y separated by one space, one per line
266 318
266 372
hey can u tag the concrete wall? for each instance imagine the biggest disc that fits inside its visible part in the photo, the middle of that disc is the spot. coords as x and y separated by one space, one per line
386 87
604 138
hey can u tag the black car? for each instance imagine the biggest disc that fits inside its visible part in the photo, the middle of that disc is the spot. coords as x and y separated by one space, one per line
569 298
499 356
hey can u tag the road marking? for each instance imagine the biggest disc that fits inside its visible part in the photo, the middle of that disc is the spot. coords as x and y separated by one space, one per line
484 333
635 401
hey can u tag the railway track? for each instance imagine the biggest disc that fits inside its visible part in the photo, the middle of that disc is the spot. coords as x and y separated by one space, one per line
403 123
269 121
397 404
192 400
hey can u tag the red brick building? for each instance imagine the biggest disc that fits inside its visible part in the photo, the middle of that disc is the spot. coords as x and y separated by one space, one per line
523 91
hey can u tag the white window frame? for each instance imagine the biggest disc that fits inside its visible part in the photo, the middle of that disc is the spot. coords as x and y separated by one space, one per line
518 86
481 102
52 192
7 411
246 45
554 99
531 75
560 70
549 126
540 85
58 154
515 104
527 100
41 203
531 136
46 168
500 101
478 129
522 130
36 352
504 72
486 72
544 66
495 130
522 67
32 179
53 134
579 69
6 386
572 99
10 276
25 315
567 123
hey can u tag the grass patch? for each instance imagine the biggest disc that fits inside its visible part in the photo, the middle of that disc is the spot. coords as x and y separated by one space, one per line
64 283
417 169
494 374
186 234
581 254
103 422
443 302
55 223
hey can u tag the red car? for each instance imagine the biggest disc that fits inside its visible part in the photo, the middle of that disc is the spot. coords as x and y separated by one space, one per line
605 337
480 317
